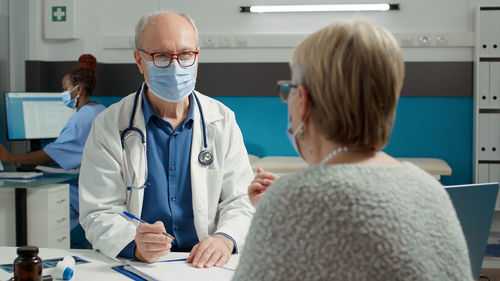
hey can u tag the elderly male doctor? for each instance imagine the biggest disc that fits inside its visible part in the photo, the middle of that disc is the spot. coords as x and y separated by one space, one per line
190 176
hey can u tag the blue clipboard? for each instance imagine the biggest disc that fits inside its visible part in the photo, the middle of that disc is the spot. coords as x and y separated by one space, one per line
121 269
127 273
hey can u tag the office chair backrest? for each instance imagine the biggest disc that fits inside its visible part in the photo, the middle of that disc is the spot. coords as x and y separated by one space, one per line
475 204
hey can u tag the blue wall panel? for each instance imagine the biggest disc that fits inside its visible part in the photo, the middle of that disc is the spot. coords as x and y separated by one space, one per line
431 127
436 127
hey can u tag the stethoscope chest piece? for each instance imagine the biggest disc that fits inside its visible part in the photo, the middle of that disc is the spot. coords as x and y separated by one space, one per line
205 157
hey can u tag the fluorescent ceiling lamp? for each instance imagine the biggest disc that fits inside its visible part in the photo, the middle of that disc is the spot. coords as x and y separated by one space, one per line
319 8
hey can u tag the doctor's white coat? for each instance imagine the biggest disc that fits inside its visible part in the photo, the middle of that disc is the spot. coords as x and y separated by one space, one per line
220 200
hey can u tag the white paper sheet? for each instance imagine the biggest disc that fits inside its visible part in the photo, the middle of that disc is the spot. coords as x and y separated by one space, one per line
52 170
20 175
182 271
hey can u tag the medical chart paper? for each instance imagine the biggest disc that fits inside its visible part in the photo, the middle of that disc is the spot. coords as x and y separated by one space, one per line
53 170
181 271
20 175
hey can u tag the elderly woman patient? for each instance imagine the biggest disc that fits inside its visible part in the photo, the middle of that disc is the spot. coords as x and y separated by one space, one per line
356 213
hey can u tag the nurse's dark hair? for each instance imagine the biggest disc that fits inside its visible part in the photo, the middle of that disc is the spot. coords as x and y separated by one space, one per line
84 72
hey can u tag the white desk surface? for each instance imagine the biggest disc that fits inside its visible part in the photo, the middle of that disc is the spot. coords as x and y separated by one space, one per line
98 268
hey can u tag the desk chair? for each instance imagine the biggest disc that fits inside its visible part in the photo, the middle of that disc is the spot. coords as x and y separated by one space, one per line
475 204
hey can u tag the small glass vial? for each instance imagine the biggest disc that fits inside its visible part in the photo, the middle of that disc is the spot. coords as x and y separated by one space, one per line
27 265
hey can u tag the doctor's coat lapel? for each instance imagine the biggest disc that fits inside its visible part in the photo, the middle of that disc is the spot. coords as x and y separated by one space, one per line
200 183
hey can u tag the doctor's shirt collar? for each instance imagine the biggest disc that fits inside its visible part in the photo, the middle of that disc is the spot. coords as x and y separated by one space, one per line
149 112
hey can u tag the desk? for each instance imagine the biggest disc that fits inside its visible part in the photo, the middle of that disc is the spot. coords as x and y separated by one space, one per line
99 267
282 165
20 199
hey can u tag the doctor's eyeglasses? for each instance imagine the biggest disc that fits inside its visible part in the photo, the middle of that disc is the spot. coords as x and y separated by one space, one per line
284 89
163 60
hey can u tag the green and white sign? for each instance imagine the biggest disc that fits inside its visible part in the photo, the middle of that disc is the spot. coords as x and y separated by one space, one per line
59 13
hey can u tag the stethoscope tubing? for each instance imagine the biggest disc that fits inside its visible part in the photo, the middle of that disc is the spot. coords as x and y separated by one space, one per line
205 157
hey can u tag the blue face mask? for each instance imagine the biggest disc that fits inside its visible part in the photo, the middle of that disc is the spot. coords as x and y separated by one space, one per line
66 98
173 83
291 135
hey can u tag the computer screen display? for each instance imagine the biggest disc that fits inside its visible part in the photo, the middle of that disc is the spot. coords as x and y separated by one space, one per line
35 115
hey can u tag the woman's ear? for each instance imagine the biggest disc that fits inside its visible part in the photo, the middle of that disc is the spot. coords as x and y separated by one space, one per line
305 104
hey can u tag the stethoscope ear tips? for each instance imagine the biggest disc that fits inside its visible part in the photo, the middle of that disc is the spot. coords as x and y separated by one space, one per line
205 157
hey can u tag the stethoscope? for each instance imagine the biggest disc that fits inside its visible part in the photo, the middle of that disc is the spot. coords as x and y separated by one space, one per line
205 157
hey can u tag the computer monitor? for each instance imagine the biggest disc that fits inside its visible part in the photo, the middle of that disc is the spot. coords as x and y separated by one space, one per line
34 116
474 205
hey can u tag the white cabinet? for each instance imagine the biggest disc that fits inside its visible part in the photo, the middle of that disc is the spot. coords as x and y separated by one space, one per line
487 95
488 84
489 136
489 36
483 93
483 172
7 217
487 105
494 96
48 216
490 172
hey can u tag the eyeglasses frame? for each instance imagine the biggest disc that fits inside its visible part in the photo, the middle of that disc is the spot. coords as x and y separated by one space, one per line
285 83
196 52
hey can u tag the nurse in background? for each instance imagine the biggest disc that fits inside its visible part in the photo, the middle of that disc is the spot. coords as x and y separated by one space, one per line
78 84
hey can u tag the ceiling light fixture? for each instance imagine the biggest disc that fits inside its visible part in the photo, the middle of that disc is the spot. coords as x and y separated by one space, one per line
319 8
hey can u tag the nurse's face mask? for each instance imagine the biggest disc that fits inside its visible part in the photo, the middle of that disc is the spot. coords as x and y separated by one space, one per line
172 77
67 100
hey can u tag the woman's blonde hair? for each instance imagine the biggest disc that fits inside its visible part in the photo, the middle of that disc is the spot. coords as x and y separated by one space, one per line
353 72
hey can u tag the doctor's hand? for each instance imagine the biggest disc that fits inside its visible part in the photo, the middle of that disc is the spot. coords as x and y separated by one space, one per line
259 185
151 243
4 153
212 250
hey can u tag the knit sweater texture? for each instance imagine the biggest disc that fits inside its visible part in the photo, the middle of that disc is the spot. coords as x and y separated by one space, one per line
355 222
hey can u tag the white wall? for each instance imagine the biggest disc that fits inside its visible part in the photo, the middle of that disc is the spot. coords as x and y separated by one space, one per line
4 63
106 28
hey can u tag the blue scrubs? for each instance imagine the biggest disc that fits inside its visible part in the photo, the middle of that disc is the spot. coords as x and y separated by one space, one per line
67 149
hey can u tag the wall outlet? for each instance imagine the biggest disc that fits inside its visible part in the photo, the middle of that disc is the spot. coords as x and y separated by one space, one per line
407 41
441 40
226 41
209 41
425 40
240 42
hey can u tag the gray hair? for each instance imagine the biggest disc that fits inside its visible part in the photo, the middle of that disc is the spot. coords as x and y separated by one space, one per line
139 28
297 69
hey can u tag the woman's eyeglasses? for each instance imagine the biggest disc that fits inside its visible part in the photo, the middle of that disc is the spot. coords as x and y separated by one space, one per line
284 89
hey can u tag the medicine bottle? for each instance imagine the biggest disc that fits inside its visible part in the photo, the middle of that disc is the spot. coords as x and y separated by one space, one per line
27 265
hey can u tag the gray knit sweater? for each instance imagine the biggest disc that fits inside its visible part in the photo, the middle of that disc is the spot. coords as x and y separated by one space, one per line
355 222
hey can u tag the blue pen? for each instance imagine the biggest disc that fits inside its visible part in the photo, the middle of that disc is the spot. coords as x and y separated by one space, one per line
138 219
